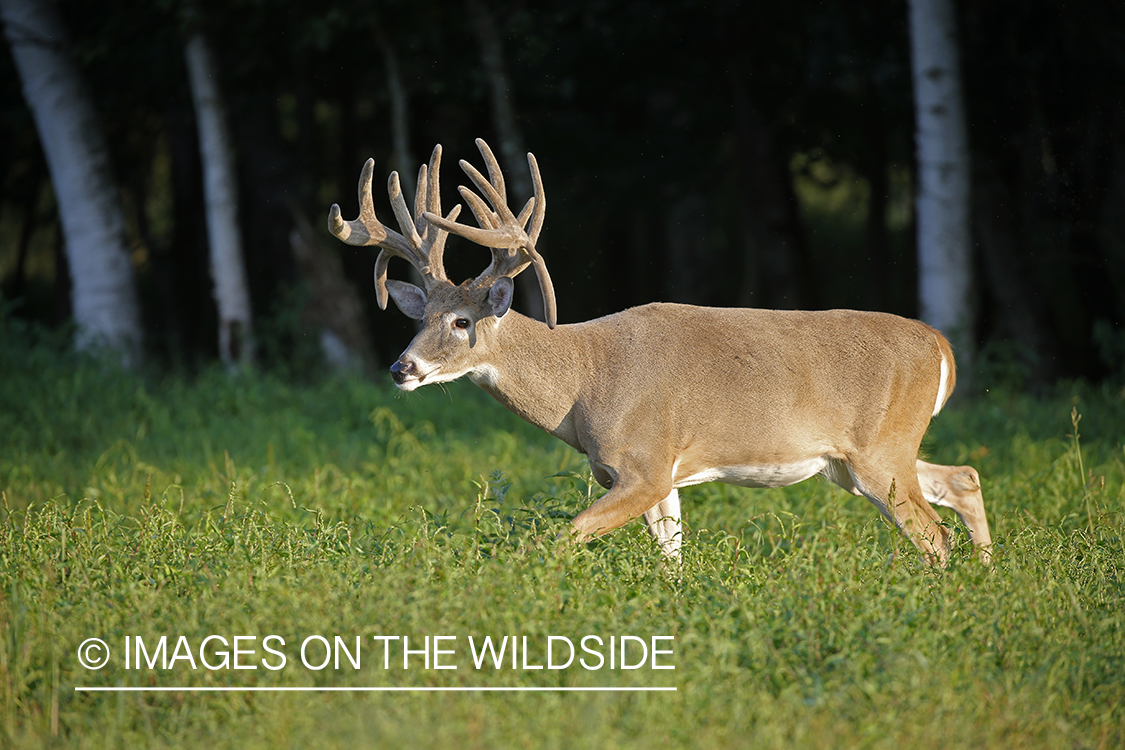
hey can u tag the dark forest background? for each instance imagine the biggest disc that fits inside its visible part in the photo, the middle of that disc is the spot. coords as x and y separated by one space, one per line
717 153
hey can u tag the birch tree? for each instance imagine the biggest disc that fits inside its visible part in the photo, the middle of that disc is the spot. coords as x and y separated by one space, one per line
944 243
220 195
103 292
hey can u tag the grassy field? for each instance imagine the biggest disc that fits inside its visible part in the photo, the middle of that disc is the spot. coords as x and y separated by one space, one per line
136 507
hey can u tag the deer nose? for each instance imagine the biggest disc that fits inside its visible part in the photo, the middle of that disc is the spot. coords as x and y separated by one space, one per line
401 370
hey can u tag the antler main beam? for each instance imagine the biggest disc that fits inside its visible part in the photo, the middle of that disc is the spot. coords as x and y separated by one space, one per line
421 244
512 238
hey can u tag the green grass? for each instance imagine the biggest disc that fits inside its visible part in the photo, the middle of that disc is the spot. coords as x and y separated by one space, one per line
250 506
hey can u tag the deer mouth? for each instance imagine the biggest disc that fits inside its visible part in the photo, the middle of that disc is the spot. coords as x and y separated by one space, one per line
408 382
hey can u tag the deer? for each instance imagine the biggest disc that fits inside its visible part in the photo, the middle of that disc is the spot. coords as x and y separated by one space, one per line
665 396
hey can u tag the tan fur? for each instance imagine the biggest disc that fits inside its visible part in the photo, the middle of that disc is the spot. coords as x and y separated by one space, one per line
664 386
664 395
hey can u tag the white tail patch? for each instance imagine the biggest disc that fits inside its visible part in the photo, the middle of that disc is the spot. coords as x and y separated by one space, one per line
943 387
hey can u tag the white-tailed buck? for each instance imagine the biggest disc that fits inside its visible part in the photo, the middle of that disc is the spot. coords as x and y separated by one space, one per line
665 396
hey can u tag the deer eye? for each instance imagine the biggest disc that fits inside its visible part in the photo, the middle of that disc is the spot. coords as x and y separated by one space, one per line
461 323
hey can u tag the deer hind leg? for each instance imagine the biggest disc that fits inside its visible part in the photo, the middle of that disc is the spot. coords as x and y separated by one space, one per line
663 521
899 497
958 487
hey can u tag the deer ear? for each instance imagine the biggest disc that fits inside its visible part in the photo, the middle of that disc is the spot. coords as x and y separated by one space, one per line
500 296
408 298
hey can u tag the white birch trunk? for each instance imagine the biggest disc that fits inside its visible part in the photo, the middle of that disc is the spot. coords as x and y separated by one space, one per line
220 194
944 243
103 293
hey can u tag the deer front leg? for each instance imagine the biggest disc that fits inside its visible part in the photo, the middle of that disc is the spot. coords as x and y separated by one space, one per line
631 495
958 487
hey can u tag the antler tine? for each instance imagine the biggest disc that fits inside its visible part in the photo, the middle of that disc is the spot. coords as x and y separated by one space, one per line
513 249
421 200
495 176
494 195
525 212
402 215
408 250
437 248
485 216
538 204
499 226
428 199
431 272
381 278
540 198
550 309
420 244
433 194
366 229
428 195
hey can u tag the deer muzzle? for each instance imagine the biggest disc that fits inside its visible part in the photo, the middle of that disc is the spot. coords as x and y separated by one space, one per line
402 370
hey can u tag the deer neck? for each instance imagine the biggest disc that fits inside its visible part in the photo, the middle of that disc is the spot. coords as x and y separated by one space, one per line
535 372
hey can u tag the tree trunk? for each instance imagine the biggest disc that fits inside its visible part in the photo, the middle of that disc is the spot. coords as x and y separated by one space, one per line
944 245
874 168
334 307
30 204
220 190
1018 315
103 292
512 151
776 269
401 160
180 275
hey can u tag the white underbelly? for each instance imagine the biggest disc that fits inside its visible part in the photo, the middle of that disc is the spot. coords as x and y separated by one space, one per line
771 475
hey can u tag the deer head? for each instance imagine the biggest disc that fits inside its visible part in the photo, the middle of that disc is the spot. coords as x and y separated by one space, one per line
458 321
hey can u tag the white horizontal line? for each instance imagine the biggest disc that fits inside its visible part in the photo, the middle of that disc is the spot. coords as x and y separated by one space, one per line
227 689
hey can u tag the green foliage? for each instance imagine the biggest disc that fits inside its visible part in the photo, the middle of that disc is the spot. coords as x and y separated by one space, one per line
147 506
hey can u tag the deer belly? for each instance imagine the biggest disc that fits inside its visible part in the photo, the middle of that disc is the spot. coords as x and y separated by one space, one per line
765 475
